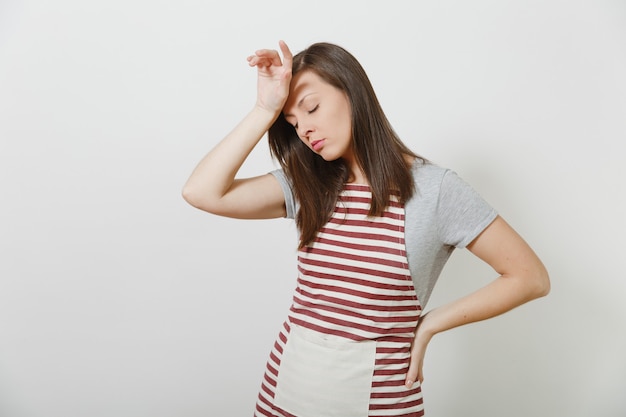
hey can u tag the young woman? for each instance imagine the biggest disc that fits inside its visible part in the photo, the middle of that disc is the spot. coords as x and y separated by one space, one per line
376 225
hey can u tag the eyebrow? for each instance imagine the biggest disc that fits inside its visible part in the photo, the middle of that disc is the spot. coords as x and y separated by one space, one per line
298 105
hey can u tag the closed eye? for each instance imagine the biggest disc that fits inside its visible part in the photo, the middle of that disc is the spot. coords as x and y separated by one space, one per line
295 126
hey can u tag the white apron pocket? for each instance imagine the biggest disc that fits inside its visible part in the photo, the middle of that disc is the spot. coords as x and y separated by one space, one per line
324 377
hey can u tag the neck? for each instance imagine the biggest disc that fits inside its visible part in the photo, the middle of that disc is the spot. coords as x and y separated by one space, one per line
357 176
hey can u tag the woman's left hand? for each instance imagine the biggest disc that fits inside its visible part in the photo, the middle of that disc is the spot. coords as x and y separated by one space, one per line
418 351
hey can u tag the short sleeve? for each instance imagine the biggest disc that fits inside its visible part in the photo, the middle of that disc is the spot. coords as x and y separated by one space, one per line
462 214
285 184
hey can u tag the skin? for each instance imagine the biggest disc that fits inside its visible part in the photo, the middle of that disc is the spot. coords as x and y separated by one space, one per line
321 115
213 187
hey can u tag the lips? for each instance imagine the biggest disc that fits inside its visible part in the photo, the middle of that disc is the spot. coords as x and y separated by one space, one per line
317 144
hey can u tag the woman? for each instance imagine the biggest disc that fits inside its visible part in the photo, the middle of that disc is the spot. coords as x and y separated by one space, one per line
376 225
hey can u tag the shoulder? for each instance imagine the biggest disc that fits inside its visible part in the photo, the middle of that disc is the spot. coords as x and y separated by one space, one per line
428 176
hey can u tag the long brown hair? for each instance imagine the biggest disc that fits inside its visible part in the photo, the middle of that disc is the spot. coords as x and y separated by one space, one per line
379 151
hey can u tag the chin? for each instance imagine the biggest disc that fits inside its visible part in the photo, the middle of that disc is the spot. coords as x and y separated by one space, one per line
329 158
328 155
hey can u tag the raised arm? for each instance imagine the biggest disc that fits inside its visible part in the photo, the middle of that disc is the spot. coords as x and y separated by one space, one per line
212 186
523 277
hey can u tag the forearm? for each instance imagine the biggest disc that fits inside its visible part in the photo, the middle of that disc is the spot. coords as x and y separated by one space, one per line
215 173
501 295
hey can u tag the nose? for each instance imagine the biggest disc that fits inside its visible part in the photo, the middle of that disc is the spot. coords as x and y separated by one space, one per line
304 131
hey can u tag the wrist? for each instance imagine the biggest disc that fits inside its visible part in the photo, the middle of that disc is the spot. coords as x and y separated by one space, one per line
268 113
265 116
425 329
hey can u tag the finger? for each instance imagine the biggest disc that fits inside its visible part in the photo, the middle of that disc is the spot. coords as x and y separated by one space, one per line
411 376
271 55
414 373
287 55
256 61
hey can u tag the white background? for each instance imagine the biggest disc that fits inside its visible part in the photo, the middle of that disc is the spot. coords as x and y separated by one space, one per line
117 299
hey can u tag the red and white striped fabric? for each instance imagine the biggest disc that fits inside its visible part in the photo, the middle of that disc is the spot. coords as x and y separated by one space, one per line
354 283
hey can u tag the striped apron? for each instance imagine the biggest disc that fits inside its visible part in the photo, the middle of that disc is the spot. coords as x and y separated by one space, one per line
344 349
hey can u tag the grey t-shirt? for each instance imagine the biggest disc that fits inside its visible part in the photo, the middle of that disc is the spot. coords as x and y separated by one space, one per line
443 214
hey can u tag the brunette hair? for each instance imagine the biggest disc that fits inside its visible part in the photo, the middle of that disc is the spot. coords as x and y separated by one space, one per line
378 150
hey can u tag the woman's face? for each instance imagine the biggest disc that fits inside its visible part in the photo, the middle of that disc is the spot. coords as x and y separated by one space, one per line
321 115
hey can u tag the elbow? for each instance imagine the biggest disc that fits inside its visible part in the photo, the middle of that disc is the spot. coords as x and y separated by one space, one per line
202 200
541 283
546 286
193 197
189 195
